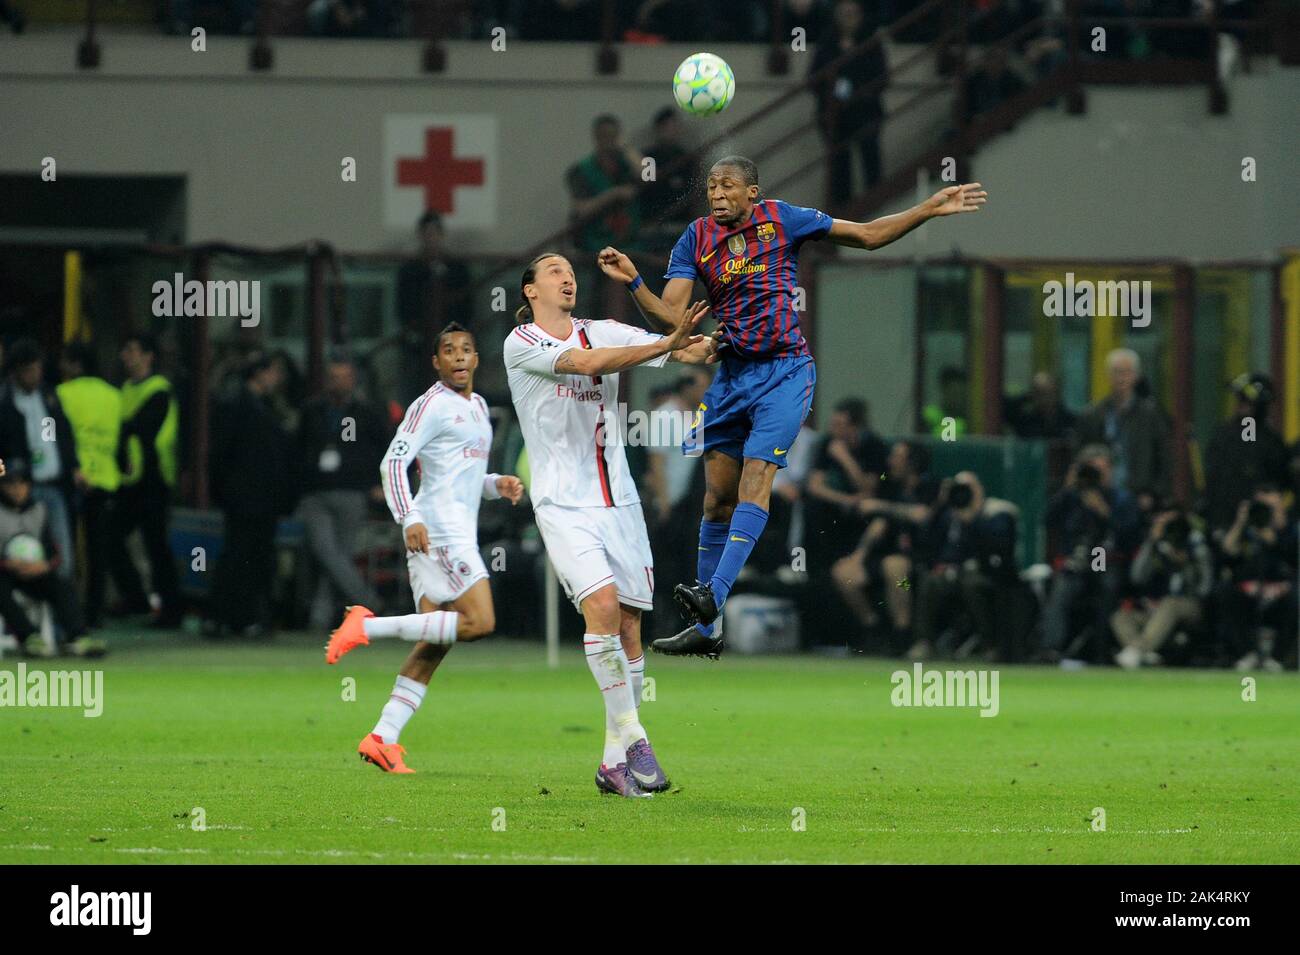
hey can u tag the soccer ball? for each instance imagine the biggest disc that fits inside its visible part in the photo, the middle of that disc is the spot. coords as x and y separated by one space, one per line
24 548
703 84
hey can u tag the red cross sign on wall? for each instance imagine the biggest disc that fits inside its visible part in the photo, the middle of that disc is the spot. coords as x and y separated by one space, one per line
445 162
438 171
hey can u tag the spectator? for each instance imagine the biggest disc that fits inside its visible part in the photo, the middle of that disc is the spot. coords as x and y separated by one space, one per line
676 484
1172 575
882 560
849 109
34 428
845 470
604 187
249 470
968 548
953 399
241 15
1244 451
340 439
12 16
94 411
350 18
664 200
1258 605
29 560
992 82
667 21
1095 522
560 20
432 289
1040 412
147 459
1134 429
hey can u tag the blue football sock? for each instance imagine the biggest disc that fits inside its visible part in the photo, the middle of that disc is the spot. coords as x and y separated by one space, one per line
713 538
747 523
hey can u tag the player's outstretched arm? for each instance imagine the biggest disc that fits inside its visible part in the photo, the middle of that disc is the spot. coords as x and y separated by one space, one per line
612 358
880 232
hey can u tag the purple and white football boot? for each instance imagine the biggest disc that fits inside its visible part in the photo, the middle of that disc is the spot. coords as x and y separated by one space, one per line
617 780
643 769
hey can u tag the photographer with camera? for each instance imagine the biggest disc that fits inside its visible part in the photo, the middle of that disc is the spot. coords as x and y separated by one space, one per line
1095 524
968 551
1171 575
1258 601
1243 452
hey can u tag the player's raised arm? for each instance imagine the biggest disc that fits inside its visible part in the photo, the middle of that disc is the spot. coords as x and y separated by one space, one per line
880 232
613 358
664 312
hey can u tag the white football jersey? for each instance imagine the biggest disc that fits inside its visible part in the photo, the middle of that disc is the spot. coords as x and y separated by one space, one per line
563 417
450 436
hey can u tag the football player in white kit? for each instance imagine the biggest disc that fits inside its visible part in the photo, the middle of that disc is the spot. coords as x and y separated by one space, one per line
448 431
563 375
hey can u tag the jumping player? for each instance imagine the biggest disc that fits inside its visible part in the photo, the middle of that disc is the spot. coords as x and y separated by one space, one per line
563 375
447 430
745 252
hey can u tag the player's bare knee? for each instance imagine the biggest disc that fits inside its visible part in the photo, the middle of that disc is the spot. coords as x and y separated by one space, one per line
719 505
600 609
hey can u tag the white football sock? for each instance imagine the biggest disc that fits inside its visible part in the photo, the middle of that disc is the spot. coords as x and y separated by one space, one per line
436 627
406 698
615 752
637 669
608 664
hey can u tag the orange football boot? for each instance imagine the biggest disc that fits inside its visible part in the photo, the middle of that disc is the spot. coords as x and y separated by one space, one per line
387 756
350 634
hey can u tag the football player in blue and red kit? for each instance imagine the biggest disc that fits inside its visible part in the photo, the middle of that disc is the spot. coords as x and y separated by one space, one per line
746 254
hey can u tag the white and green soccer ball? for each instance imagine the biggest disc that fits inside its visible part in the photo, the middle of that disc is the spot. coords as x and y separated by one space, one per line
704 84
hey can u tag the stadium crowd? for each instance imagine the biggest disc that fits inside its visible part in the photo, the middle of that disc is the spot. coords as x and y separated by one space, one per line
880 553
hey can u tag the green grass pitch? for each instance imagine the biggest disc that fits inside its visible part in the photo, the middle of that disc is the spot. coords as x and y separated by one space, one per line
261 739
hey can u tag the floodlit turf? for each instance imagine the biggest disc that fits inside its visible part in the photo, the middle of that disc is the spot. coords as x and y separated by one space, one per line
260 738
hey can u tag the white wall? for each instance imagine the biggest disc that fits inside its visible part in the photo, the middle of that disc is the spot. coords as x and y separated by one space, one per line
1144 173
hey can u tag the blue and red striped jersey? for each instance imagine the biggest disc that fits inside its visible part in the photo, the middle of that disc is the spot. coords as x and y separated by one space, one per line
751 271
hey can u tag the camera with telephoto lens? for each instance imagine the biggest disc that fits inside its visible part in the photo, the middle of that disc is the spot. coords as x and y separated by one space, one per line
1177 532
1088 477
960 496
1259 516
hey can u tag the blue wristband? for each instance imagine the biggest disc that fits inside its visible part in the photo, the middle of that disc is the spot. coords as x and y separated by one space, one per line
635 284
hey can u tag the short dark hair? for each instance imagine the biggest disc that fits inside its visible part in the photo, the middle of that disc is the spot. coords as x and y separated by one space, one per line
664 115
856 409
746 166
147 341
22 353
255 363
451 328
430 217
604 118
83 356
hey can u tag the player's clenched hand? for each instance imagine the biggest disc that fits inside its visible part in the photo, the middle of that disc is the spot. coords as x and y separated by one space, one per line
511 488
954 199
616 265
417 539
